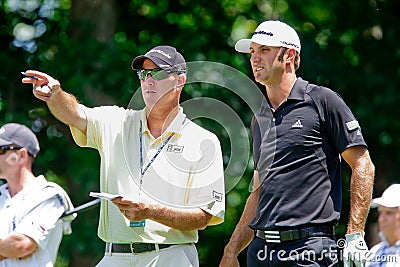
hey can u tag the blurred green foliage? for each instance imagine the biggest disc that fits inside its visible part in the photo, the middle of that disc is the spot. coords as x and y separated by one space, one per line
349 46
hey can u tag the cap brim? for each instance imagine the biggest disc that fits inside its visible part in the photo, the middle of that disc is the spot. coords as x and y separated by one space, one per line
137 62
4 142
382 202
374 204
243 45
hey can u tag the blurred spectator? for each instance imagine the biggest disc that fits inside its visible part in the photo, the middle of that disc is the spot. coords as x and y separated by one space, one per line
387 252
30 207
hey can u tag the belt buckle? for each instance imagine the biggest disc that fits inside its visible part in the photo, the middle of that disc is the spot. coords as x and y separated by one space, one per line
272 236
137 248
290 235
132 245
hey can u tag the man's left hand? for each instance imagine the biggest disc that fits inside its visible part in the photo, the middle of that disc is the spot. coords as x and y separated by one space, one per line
356 250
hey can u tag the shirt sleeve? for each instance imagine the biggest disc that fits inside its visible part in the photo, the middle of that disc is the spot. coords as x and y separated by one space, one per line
41 221
255 140
342 127
211 170
100 121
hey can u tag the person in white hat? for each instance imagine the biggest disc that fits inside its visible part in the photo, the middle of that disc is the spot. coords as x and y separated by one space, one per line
300 136
30 207
387 252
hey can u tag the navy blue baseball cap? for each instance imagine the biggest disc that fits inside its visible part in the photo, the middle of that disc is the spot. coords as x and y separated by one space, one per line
165 57
20 135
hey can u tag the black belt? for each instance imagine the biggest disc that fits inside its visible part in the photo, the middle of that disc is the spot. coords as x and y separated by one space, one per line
134 248
276 236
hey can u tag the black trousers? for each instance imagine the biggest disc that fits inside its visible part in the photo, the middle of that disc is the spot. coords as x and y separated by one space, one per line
313 251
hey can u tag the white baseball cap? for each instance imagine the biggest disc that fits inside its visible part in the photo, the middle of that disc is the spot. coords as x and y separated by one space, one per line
271 33
390 197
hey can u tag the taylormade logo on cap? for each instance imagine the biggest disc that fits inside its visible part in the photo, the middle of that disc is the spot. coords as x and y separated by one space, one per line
158 51
263 32
271 33
164 56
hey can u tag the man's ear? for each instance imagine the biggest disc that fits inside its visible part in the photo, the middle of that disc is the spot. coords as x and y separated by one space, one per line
291 55
23 155
181 82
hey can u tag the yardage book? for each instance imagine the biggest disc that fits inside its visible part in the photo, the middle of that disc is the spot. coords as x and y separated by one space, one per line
105 196
110 197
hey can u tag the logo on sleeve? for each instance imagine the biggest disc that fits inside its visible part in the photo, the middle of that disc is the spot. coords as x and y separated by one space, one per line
352 125
217 196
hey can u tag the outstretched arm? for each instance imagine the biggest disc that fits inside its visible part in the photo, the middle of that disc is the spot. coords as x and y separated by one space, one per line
361 185
243 234
62 105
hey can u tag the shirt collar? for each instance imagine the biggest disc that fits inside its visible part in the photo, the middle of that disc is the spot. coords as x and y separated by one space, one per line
297 92
383 238
175 126
39 183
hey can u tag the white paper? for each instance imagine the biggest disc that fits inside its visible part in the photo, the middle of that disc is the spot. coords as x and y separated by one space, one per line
105 196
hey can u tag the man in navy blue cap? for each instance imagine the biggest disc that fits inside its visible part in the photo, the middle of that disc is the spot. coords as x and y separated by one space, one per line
30 207
19 136
165 171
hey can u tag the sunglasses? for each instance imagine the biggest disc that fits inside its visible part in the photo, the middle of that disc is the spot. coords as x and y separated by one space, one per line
156 74
4 149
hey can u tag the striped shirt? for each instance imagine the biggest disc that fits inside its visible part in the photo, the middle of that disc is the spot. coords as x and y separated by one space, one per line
384 255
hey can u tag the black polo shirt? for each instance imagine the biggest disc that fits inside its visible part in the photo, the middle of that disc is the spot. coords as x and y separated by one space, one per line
296 151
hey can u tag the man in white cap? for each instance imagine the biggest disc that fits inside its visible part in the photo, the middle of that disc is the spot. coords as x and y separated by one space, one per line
30 207
387 252
300 135
167 170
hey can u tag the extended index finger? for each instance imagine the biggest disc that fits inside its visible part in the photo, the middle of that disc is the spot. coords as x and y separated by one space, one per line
43 78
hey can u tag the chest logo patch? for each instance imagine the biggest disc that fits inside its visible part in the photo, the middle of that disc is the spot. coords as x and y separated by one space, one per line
297 125
175 148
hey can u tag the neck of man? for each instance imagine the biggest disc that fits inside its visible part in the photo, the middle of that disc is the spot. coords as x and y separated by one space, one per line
278 92
21 180
393 237
159 119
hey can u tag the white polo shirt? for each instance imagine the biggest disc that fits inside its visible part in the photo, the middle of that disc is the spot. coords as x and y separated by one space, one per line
182 169
34 212
383 254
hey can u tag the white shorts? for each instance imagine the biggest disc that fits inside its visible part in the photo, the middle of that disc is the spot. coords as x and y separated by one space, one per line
174 256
